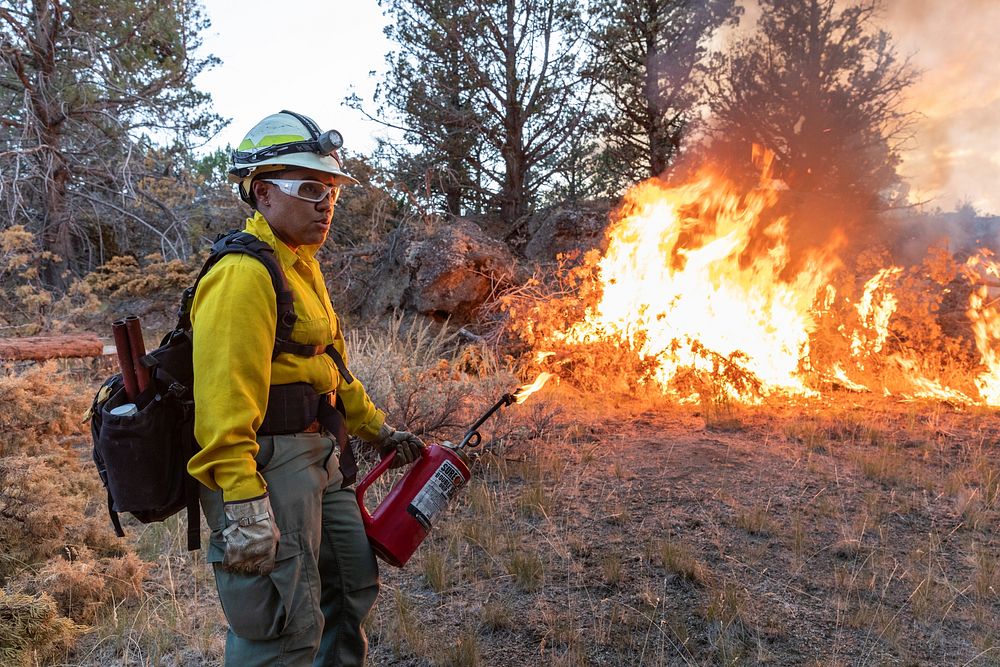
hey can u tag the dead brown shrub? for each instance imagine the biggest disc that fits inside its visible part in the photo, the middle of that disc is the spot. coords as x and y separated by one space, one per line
125 276
41 408
31 630
83 587
47 505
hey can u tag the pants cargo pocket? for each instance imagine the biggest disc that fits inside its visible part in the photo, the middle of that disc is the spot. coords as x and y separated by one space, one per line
265 607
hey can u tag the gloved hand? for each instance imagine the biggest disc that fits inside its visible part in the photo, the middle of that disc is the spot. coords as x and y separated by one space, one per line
408 446
251 536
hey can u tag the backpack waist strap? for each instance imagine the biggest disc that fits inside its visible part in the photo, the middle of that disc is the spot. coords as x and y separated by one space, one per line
290 408
293 408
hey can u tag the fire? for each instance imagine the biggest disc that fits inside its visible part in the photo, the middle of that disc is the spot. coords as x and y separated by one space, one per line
985 317
875 309
522 393
677 287
698 281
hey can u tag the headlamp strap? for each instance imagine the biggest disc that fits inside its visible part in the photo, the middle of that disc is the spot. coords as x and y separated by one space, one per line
310 125
277 150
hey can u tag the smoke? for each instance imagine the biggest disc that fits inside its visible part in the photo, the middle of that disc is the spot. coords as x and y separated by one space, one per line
954 156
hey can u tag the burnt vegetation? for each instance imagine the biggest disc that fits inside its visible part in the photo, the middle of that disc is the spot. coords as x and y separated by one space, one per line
606 523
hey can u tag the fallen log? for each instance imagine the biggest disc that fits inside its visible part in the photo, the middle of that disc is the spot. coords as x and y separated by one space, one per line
39 348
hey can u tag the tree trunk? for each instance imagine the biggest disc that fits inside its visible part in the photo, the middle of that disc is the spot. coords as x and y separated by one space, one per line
513 202
48 119
39 348
656 134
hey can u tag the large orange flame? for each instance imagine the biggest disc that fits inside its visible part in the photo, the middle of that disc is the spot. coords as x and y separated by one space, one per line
698 276
676 284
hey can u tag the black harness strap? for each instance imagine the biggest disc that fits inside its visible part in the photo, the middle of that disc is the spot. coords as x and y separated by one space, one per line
331 417
248 244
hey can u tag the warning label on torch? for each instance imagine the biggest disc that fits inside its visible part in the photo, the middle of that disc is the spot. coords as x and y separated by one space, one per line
437 492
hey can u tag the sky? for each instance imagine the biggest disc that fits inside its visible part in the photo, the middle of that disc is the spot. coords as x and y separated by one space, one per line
301 55
327 48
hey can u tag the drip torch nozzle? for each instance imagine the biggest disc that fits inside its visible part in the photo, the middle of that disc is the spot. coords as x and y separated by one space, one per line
472 437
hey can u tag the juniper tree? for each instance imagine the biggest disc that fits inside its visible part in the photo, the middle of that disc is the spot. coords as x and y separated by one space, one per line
86 87
821 87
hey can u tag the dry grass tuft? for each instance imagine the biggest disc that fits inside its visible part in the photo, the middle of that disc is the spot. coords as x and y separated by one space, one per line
527 569
434 565
679 559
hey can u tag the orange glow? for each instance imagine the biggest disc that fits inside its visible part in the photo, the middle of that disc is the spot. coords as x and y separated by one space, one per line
985 317
698 281
521 394
676 285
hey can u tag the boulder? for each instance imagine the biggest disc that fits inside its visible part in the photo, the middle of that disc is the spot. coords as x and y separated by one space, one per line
565 229
446 272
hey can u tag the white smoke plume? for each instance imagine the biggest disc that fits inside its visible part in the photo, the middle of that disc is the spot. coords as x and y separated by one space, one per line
954 157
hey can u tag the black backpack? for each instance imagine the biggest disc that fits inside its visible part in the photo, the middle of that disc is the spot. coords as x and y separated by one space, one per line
142 458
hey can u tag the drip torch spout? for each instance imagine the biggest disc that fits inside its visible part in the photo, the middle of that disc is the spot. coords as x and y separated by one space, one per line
472 437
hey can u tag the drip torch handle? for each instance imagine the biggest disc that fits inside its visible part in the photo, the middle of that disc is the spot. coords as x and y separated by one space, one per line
375 473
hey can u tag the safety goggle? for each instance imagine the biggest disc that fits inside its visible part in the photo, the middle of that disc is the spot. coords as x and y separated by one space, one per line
312 191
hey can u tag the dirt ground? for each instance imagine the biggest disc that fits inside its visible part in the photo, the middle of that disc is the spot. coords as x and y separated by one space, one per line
835 531
840 531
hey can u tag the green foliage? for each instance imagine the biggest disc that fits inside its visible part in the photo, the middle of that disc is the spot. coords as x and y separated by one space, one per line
822 89
650 65
488 93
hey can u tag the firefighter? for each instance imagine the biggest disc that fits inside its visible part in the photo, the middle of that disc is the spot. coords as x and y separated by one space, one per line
293 567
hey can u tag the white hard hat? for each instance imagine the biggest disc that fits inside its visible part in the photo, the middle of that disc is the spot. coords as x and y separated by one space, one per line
286 139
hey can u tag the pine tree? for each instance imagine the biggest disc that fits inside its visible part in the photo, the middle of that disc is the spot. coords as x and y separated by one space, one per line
650 61
86 87
488 93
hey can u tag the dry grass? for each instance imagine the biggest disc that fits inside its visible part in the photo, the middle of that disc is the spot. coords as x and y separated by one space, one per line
650 533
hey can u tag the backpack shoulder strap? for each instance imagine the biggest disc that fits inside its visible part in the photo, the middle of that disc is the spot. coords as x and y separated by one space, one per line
248 244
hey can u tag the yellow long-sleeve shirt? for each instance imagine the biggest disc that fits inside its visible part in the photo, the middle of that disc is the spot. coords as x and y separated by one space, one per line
233 318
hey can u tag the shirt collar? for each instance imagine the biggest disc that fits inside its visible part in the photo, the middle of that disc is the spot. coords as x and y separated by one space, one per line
259 227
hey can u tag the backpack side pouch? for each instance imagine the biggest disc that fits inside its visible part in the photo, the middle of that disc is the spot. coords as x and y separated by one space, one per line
143 457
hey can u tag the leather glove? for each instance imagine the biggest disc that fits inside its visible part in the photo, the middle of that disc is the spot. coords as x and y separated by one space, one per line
408 447
251 536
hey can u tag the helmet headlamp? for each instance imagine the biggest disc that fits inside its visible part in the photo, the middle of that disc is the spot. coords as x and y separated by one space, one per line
329 141
325 143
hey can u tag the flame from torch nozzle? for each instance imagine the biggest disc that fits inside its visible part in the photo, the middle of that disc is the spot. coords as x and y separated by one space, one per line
521 394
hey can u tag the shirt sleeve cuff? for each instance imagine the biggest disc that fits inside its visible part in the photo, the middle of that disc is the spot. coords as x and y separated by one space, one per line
245 489
369 431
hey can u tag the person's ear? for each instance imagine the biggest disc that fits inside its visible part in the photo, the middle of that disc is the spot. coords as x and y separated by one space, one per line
260 192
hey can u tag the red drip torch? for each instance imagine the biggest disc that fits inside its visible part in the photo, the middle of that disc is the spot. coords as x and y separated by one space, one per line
403 519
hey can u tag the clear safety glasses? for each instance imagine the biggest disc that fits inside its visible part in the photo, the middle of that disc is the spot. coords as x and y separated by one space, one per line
312 191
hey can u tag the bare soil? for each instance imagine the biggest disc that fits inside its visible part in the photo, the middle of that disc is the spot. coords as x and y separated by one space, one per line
845 531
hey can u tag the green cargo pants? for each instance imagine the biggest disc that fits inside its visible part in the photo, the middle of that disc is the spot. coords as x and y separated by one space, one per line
309 611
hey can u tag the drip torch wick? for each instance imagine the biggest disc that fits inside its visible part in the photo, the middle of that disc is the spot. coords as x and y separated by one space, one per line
505 400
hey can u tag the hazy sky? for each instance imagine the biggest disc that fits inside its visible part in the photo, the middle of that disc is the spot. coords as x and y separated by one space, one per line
305 55
301 55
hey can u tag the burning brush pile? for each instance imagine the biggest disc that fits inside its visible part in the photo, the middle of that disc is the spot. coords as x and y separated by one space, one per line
703 294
